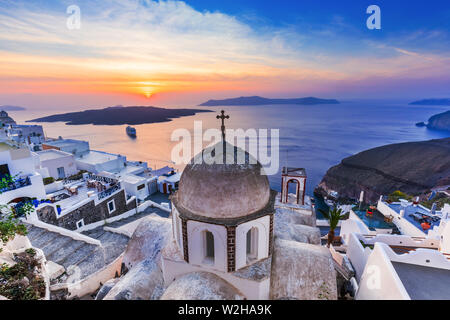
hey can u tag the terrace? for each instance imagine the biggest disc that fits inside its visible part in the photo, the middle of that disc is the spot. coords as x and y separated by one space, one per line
97 157
52 154
76 193
375 220
416 215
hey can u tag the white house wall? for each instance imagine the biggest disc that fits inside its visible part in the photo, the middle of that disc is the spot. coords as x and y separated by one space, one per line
68 163
357 254
132 189
445 237
35 190
353 225
263 226
380 281
20 161
422 257
196 245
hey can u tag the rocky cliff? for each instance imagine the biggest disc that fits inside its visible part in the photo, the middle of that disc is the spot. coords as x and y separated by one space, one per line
440 121
413 167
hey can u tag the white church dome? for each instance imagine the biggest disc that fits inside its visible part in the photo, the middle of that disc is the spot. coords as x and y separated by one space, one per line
223 191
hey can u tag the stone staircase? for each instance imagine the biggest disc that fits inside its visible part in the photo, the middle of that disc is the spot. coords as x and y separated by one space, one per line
89 258
149 211
68 252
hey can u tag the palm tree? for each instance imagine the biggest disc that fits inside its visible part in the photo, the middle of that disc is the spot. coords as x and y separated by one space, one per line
333 216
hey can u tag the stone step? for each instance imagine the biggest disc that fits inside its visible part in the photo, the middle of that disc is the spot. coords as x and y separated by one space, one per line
68 252
51 251
34 232
77 254
56 244
63 252
128 220
108 237
95 233
115 247
44 239
92 263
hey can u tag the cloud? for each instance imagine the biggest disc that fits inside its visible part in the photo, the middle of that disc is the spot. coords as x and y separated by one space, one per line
136 47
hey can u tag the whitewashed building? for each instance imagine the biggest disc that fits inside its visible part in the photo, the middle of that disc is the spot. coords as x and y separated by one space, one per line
24 166
75 147
412 266
99 161
29 134
59 164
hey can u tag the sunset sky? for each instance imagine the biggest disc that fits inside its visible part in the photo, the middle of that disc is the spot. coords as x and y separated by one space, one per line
185 52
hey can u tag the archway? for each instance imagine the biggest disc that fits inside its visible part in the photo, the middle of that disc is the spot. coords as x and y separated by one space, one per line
209 250
252 245
293 185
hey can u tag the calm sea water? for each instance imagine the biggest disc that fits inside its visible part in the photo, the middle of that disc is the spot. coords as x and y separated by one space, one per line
316 137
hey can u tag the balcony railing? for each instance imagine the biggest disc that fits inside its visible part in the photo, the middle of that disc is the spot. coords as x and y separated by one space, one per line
101 179
17 184
110 191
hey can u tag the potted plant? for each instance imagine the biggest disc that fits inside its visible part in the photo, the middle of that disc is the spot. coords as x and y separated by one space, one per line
333 216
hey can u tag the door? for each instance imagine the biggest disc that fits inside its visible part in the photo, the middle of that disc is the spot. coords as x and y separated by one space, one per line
4 171
153 187
61 173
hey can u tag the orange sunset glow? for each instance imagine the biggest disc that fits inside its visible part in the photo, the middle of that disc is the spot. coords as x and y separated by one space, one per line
168 48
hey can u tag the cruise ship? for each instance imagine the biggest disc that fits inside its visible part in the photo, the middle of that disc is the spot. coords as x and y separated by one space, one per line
131 131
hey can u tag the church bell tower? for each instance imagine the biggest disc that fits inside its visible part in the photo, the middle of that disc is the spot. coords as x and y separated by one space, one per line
297 176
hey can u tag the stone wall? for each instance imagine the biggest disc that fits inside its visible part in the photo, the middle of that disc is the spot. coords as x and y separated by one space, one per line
89 212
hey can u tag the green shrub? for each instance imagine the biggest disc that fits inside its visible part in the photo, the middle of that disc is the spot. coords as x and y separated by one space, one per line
440 201
9 224
397 195
77 176
48 180
11 285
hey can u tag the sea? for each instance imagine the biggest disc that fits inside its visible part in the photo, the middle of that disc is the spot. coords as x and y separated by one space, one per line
312 137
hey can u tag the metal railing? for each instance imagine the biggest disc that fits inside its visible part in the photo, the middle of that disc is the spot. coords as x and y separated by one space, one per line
104 194
101 179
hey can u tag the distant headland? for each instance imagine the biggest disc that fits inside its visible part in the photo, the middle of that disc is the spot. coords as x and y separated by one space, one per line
413 167
259 101
12 108
439 121
119 115
432 102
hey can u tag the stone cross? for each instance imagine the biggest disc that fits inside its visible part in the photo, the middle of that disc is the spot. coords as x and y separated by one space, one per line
223 117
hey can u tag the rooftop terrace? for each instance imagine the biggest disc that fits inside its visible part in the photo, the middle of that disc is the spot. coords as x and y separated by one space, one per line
52 154
418 211
97 157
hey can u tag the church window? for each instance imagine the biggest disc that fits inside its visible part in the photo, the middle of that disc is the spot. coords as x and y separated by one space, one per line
209 246
252 244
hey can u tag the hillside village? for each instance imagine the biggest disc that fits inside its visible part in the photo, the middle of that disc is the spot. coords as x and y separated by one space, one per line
99 226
